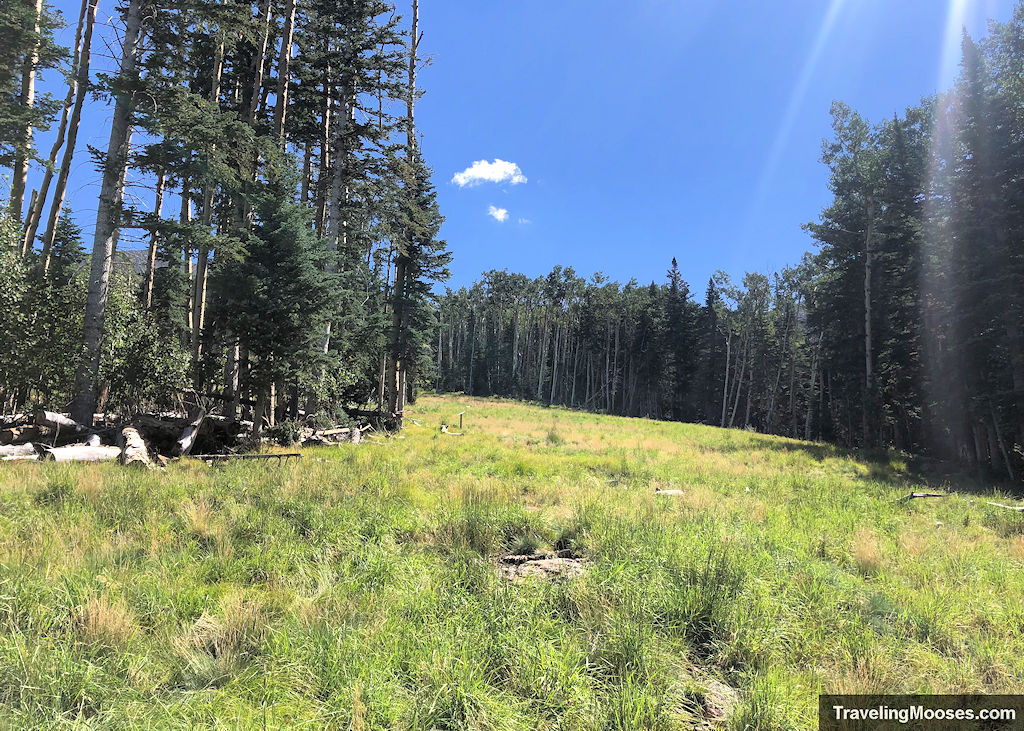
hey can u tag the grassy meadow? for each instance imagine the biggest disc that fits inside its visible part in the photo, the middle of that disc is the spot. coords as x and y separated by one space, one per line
358 588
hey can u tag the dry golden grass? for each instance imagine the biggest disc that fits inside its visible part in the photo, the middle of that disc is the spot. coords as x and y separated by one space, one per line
1016 548
914 542
867 551
100 621
872 673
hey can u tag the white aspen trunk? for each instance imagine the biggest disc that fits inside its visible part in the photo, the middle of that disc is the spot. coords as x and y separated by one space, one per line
185 218
725 388
108 221
810 389
206 219
19 172
397 368
81 89
283 71
738 380
154 237
35 210
554 366
325 159
199 281
259 59
778 376
543 357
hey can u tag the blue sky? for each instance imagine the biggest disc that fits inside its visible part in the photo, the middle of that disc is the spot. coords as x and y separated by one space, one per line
645 129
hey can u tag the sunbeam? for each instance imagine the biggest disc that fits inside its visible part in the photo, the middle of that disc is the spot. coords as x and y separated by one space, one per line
796 99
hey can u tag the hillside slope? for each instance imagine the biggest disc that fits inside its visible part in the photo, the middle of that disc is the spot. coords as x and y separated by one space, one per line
362 587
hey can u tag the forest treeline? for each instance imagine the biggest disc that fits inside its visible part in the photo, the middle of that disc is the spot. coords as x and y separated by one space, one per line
902 329
265 156
264 159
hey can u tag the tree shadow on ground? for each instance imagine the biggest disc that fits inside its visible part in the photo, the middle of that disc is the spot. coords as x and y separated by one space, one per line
882 465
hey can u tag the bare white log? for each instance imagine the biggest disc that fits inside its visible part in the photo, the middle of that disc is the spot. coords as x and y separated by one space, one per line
133 448
188 438
1018 508
17 451
82 453
59 422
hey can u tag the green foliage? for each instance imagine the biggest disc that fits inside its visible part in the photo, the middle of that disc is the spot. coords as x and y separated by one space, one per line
18 39
274 297
138 367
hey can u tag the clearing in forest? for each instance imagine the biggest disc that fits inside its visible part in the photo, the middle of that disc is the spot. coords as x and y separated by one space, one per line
381 585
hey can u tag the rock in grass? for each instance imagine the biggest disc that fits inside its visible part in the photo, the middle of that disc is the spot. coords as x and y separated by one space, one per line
516 567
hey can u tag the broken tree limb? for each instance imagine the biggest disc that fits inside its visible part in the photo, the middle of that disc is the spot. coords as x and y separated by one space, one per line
334 432
58 422
188 437
133 448
82 453
1016 508
17 451
913 495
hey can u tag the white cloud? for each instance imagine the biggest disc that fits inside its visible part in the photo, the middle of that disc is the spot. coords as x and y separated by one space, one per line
524 221
498 214
499 171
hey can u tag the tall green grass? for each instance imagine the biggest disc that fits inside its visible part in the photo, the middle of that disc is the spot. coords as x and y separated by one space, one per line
358 588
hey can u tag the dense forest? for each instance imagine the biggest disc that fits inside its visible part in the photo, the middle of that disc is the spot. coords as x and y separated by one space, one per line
267 238
903 329
266 227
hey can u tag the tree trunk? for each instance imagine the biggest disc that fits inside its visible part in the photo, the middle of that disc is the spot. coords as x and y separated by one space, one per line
259 62
725 388
206 219
147 287
810 388
133 448
19 173
869 380
283 71
81 89
398 367
82 453
108 221
188 437
36 209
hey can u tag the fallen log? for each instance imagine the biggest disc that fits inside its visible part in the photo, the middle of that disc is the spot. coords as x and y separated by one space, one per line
913 495
1017 508
188 437
133 448
17 450
18 434
93 440
334 432
82 453
58 422
21 458
156 423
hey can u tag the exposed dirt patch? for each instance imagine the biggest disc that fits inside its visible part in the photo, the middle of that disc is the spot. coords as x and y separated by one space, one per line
561 565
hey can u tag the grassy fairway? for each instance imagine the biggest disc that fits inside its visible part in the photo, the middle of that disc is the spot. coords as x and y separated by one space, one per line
358 589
